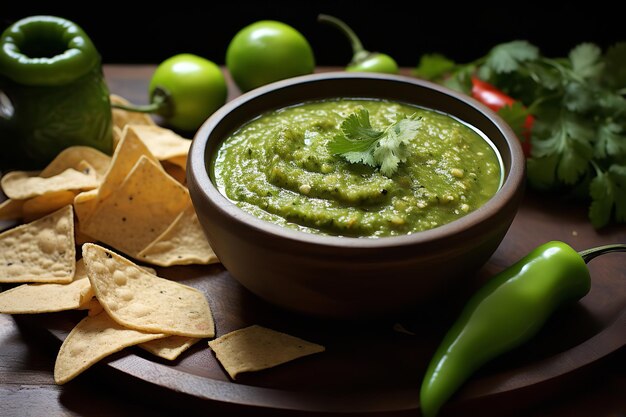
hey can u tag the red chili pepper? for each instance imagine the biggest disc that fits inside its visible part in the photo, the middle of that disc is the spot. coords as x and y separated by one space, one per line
495 99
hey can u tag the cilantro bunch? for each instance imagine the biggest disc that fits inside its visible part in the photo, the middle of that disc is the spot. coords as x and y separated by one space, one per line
579 135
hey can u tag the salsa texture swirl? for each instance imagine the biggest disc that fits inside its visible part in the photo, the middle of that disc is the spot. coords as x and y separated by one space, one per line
278 167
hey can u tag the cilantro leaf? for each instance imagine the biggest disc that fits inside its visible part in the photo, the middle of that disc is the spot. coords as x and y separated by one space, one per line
515 115
608 195
618 176
358 139
615 70
569 140
360 143
578 97
433 66
601 191
611 141
585 59
507 57
357 126
541 172
392 148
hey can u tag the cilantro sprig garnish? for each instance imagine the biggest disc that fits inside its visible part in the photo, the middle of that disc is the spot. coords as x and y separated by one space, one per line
385 149
579 135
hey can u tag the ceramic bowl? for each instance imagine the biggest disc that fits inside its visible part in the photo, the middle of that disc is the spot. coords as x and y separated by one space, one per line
343 277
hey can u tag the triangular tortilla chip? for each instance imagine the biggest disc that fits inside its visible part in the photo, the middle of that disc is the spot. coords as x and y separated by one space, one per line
21 185
163 143
139 210
94 338
183 243
40 251
170 347
41 205
255 348
85 203
71 158
140 300
47 298
11 209
123 117
126 155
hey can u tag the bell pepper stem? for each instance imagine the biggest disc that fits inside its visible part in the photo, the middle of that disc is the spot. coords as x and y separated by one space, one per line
590 254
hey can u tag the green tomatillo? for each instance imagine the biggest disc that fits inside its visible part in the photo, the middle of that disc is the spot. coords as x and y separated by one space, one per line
362 60
268 51
184 90
52 92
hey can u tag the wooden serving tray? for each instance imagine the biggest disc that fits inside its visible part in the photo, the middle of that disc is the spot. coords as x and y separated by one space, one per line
375 367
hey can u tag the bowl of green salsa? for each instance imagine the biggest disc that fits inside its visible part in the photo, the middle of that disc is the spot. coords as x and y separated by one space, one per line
352 195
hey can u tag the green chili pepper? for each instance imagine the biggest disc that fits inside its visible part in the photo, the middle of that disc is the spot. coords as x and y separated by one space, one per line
506 312
362 60
52 92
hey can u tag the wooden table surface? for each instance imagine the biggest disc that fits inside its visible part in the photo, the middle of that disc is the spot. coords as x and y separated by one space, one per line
27 387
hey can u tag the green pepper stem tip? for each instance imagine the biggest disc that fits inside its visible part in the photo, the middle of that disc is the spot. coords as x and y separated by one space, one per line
590 254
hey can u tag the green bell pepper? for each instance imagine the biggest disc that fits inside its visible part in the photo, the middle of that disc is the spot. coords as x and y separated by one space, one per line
507 311
52 92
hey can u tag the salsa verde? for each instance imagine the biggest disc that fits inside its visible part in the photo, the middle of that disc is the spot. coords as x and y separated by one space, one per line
278 168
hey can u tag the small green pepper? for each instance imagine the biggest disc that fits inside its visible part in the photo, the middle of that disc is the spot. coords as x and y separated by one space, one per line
52 92
362 60
507 311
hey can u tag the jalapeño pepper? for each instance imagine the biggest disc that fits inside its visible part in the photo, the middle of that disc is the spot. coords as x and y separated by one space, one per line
507 311
52 92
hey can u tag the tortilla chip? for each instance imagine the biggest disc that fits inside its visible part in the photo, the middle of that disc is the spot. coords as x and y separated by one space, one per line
117 136
47 298
21 185
169 348
176 172
39 206
11 209
71 158
183 243
163 143
40 251
85 203
94 338
139 210
142 301
123 117
180 161
126 155
256 348
92 306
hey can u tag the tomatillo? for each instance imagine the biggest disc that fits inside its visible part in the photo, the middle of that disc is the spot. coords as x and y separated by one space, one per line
362 60
268 51
52 92
184 90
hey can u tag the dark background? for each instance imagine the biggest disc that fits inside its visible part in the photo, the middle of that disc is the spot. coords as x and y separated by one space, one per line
130 32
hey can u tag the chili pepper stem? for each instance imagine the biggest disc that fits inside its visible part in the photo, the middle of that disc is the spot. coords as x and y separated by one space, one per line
590 254
358 52
160 104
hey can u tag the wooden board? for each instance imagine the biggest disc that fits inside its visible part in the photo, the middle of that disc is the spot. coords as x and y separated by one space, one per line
370 366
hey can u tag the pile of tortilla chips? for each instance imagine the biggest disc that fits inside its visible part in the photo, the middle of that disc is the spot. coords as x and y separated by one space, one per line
136 203
127 304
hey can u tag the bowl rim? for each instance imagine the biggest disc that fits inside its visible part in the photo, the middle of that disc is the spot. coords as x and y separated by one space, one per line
200 174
